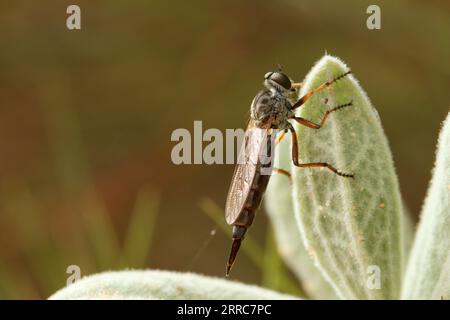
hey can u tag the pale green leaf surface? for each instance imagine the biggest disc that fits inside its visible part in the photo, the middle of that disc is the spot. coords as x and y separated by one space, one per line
408 232
278 203
428 272
348 225
155 285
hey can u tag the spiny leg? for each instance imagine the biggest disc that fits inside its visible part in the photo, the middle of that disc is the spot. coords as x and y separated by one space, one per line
283 172
311 164
309 94
280 137
313 125
296 85
325 165
278 170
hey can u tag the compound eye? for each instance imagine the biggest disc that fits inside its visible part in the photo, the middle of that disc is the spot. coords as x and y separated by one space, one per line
267 75
282 79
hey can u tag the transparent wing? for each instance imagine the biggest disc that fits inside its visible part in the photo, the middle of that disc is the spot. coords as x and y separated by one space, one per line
244 172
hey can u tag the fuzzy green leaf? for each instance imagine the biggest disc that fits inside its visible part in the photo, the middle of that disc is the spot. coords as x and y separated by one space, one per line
428 272
350 227
408 232
153 284
278 202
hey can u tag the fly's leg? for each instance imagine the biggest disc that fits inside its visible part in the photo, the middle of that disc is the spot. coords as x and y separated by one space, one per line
278 170
280 137
296 85
311 164
325 165
309 94
313 125
283 172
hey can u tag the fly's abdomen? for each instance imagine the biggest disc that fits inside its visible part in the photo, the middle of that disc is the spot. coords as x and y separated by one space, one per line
253 201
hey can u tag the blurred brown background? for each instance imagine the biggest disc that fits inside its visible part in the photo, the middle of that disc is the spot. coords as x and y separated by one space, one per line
86 117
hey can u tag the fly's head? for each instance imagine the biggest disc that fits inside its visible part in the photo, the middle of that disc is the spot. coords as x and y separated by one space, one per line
277 82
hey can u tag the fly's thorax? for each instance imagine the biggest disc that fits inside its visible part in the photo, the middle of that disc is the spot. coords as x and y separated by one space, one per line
270 109
262 107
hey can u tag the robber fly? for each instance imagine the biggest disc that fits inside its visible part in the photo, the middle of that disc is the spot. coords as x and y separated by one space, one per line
271 110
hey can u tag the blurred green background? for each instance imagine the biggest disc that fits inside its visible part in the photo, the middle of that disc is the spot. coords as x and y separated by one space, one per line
86 117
